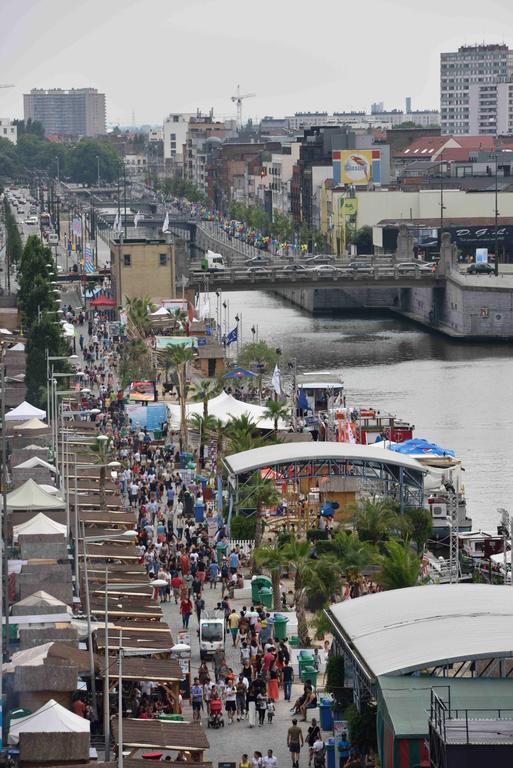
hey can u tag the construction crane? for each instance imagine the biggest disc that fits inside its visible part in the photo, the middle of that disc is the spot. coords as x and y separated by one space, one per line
238 100
6 86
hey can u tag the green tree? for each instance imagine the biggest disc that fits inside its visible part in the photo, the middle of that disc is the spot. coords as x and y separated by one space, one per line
82 163
352 556
400 566
204 426
9 163
259 493
138 311
269 556
362 726
257 353
30 126
182 357
277 410
135 362
307 576
421 526
377 519
282 227
204 392
362 238
43 335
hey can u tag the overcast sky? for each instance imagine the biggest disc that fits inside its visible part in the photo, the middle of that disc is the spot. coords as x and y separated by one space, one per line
152 57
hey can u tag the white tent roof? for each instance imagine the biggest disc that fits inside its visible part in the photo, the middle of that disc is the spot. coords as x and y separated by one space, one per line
19 347
31 496
34 447
51 489
160 312
40 525
52 717
30 657
404 630
225 408
25 411
258 458
40 598
34 462
32 424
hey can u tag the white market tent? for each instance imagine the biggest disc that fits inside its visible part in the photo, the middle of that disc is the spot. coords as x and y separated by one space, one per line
51 489
32 425
42 599
161 312
30 657
407 630
30 495
39 525
25 411
19 347
52 717
225 407
34 462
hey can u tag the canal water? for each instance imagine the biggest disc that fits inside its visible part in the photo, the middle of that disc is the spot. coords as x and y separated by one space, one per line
459 395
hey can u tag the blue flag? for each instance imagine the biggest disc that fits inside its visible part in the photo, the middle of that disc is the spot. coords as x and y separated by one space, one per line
232 336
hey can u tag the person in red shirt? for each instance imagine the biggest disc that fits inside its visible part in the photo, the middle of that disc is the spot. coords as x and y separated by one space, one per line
184 564
186 610
176 585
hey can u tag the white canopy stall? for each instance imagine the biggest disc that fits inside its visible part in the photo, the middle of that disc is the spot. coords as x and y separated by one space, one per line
225 407
39 525
25 411
30 495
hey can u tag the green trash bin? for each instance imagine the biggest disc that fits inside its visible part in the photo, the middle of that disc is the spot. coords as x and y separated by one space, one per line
257 583
309 673
266 597
157 434
280 626
221 548
305 661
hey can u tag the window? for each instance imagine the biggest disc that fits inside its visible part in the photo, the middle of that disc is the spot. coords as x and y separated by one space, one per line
176 118
173 137
163 259
127 260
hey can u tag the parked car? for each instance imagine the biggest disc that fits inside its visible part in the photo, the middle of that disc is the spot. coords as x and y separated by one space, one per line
361 266
32 221
483 268
259 270
293 268
324 268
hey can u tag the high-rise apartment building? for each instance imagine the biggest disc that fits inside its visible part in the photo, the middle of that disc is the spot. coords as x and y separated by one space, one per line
77 112
475 97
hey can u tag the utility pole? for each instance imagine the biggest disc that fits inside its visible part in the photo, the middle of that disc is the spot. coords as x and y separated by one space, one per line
124 194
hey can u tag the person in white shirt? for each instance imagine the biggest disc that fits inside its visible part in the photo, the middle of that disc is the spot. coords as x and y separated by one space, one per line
270 761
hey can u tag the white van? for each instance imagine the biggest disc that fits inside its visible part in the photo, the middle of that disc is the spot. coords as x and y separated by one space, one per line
53 238
211 635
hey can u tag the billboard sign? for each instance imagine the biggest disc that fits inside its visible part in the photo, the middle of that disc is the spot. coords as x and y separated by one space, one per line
142 391
348 206
357 167
481 255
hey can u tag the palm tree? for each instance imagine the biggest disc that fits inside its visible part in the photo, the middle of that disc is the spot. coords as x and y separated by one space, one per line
377 519
297 556
261 493
277 410
241 432
166 360
270 557
179 317
138 311
180 357
204 426
400 566
205 391
102 453
352 556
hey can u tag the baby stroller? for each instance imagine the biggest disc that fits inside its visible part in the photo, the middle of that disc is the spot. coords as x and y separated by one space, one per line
215 718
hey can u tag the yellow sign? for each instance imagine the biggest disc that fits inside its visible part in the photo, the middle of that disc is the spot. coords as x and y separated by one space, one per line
348 206
355 166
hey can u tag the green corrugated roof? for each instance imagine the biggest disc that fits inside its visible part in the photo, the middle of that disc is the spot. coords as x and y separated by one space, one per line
405 701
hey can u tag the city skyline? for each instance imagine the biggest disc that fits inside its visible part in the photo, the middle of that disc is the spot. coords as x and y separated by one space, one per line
292 59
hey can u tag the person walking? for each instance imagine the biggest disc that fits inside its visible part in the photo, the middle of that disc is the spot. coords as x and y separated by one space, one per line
185 610
314 733
294 742
251 701
233 623
196 699
288 679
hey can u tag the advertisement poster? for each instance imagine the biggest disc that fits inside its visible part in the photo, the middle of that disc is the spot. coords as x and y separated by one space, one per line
142 391
357 167
481 255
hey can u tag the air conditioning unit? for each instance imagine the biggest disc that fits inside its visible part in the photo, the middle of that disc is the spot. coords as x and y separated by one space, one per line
439 510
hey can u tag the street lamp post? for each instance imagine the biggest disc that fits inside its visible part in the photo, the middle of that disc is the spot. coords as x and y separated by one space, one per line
98 166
